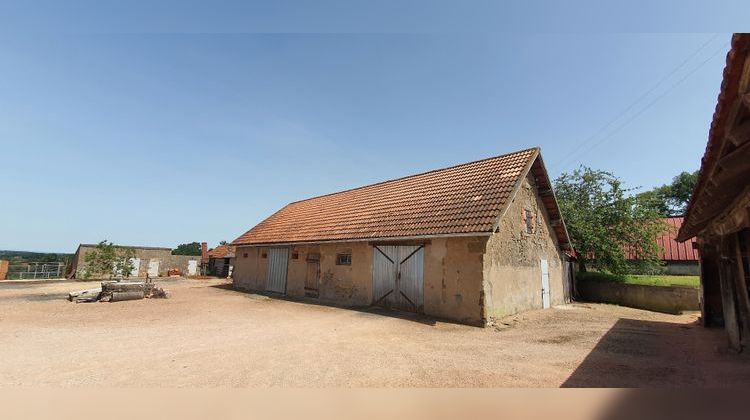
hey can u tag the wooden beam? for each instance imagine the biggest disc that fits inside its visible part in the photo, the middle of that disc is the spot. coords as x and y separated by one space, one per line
739 134
728 295
746 100
743 302
737 160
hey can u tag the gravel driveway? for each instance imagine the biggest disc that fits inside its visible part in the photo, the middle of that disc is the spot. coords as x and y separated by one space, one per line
208 335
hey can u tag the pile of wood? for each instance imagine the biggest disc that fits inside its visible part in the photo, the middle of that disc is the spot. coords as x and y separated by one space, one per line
118 291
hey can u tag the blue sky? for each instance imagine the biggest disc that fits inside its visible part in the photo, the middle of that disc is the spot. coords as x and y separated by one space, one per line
195 125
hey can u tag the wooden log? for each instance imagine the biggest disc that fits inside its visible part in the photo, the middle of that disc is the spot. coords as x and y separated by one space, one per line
111 287
123 296
77 293
88 295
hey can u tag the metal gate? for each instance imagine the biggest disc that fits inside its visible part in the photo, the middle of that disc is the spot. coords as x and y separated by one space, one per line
398 277
278 259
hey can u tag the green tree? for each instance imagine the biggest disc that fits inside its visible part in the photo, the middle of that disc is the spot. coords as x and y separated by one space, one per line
124 264
193 248
604 221
672 199
107 259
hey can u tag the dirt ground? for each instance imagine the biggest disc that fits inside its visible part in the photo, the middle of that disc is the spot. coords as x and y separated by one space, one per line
207 335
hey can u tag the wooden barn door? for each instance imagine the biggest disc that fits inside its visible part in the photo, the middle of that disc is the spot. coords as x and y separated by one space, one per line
398 277
312 278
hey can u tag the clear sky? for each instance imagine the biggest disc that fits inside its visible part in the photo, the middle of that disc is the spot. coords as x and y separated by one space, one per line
186 121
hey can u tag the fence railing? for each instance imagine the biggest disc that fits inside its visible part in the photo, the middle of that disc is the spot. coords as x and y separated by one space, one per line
36 270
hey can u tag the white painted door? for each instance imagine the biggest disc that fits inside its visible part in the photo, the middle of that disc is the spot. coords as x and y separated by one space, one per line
136 267
153 267
278 259
192 267
545 284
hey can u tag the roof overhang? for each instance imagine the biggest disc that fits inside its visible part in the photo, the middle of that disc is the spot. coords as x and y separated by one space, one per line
725 167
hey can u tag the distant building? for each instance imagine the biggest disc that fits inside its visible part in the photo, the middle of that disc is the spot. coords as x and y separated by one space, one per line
156 262
679 258
220 261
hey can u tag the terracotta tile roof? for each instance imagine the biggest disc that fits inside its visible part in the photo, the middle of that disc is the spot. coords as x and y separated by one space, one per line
463 199
221 251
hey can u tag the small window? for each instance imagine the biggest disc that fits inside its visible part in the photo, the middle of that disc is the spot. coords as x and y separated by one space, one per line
528 218
295 255
263 255
343 259
244 255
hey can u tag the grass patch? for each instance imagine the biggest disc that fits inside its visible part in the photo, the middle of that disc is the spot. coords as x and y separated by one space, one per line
657 280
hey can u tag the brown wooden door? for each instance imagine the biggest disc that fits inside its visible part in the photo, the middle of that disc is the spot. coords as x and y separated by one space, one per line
312 278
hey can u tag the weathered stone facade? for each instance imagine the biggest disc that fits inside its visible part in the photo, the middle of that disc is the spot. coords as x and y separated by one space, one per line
162 256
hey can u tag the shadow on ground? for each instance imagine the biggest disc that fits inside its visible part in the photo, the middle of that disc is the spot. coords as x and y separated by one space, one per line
364 311
636 353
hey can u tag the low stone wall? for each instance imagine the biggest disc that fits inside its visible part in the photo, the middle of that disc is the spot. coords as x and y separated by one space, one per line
672 300
682 268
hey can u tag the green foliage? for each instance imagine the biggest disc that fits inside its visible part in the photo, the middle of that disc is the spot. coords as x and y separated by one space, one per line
107 259
223 243
672 199
193 248
124 265
25 256
603 221
658 280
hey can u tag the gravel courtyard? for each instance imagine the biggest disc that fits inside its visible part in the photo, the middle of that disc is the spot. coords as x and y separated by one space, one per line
208 335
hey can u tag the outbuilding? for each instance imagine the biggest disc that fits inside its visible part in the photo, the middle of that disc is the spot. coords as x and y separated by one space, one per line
719 211
220 261
679 258
147 261
466 243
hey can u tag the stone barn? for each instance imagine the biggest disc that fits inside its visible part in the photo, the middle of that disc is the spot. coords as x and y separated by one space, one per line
467 243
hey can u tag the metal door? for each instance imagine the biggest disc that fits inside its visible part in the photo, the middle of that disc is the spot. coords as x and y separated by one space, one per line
192 267
153 267
278 259
545 284
398 277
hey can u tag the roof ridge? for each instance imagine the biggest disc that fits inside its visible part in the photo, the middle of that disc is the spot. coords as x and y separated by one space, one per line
414 175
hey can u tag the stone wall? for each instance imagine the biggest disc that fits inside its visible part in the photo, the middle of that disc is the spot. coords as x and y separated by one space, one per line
512 270
671 300
3 269
145 254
